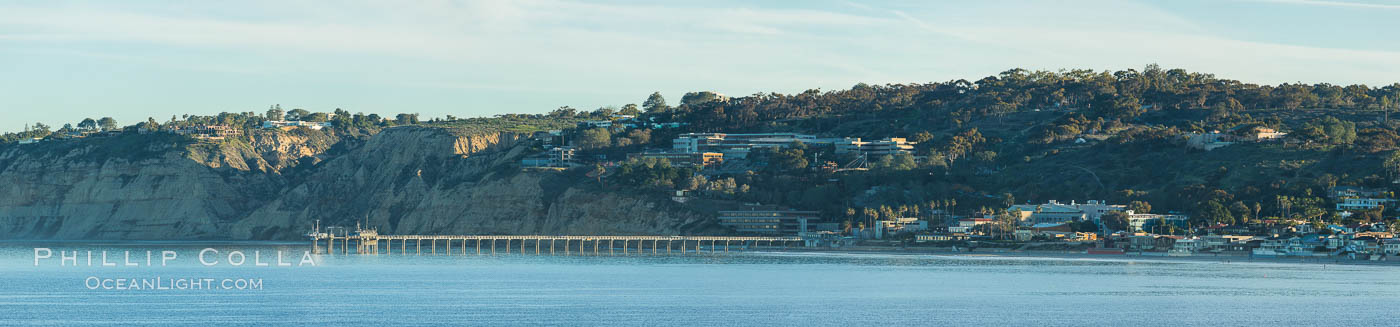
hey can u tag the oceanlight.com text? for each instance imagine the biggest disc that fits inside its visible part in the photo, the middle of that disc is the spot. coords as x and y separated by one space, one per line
177 284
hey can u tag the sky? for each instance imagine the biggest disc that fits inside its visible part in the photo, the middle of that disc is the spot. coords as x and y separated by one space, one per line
62 61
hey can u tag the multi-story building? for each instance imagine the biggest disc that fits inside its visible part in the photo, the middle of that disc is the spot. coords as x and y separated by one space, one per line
1390 246
286 124
966 225
595 123
1139 221
737 145
770 221
1362 204
562 156
1264 134
899 225
1209 141
207 132
886 146
697 159
1345 191
1056 212
940 237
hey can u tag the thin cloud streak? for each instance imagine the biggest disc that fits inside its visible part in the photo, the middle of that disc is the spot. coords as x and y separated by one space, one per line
1333 4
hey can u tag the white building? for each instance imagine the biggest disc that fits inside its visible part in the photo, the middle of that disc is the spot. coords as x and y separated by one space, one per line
940 237
1209 141
899 225
1056 212
737 145
1391 246
1188 245
289 124
966 224
1138 220
1346 191
1268 134
1360 204
596 123
886 146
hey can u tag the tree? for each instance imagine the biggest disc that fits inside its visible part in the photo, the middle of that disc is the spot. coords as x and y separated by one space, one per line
604 112
1215 213
898 161
655 103
88 124
1140 207
921 137
790 159
1239 210
107 124
1392 164
1330 130
1285 206
564 112
1370 216
298 114
640 136
986 156
275 114
1256 209
694 98
629 109
594 138
962 143
696 182
406 119
317 117
1006 223
1114 220
150 124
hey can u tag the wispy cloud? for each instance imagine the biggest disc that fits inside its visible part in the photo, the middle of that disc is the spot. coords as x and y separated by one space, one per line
1345 4
102 25
928 27
435 30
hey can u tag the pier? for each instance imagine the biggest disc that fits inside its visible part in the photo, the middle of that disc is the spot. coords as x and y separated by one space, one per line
368 242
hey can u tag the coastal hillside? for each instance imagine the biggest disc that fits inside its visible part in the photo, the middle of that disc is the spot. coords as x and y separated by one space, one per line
412 180
1184 150
274 184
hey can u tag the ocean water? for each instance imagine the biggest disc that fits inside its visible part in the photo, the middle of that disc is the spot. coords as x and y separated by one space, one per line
738 288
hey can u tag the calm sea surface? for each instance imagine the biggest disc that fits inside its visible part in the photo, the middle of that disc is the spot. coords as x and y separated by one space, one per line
751 288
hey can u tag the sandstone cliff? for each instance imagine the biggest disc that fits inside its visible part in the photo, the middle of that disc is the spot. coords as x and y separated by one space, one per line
276 184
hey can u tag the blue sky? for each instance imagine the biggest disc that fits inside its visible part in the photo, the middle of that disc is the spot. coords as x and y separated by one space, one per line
61 61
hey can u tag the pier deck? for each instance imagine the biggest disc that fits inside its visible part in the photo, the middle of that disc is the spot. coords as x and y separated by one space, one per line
368 242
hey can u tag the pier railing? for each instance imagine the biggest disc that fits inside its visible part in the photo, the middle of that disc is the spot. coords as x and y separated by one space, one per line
372 243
